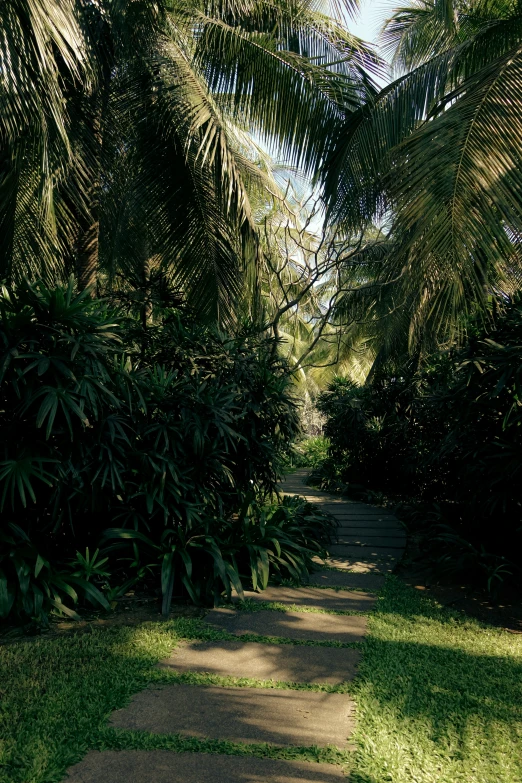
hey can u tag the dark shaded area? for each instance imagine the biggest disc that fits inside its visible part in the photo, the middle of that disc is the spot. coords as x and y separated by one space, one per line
162 446
440 442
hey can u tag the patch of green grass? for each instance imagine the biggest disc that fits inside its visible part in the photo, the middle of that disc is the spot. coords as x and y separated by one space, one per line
439 697
56 694
114 739
274 606
167 677
198 629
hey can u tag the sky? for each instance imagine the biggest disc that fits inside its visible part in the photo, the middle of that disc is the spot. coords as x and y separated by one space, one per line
372 15
368 24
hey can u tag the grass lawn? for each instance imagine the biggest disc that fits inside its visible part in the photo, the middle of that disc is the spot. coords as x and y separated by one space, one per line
439 697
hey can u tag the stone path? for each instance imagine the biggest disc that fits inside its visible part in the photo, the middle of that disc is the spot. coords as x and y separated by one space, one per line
317 638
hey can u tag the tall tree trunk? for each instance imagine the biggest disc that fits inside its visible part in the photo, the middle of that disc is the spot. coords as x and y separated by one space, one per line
87 250
89 235
146 308
87 258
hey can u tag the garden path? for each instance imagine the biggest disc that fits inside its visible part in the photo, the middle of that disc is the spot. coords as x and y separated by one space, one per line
298 661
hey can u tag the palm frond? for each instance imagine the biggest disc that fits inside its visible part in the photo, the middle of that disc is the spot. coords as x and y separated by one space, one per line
366 141
456 186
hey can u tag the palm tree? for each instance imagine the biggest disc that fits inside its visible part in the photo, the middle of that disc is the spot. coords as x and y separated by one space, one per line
217 73
155 198
42 52
438 156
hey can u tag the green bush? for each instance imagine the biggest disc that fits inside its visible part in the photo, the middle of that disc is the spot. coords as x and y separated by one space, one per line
165 444
447 437
310 452
366 428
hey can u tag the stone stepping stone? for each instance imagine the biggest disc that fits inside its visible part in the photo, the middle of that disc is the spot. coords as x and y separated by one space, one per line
279 717
364 552
370 523
321 498
353 507
277 662
376 520
388 531
312 626
323 501
162 766
375 523
346 579
298 488
388 542
371 533
320 599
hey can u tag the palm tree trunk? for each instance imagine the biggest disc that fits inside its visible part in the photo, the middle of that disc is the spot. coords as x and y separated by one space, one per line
87 259
146 309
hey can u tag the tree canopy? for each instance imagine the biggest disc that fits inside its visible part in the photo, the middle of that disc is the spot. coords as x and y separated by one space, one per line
148 148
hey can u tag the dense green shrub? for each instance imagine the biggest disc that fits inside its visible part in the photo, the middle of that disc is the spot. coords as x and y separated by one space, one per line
309 452
448 436
165 443
366 430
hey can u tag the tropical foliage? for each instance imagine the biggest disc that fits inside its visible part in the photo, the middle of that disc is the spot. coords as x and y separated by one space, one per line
435 160
127 137
310 452
165 445
447 437
259 219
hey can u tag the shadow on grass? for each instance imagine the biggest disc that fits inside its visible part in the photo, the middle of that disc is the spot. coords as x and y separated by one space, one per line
443 688
439 696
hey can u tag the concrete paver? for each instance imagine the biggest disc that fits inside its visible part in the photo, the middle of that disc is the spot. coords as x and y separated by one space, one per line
371 533
277 662
378 541
345 579
357 512
312 626
383 523
162 766
280 717
385 528
356 565
364 552
390 541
